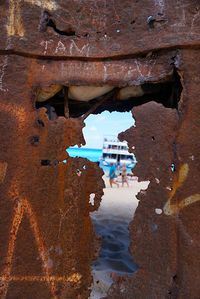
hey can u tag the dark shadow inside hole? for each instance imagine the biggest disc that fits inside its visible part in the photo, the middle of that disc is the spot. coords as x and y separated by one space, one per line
47 21
167 93
54 105
68 32
34 140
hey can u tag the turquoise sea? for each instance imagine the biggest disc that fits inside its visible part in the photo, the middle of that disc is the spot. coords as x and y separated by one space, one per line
91 154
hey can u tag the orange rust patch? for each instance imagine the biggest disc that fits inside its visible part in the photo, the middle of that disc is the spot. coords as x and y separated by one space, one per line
173 208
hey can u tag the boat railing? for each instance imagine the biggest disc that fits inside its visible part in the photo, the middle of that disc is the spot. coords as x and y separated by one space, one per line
111 139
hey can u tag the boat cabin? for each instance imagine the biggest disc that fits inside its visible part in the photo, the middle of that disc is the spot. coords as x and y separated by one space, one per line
117 152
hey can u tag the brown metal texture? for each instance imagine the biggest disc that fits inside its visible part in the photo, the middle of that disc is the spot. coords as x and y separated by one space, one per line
165 230
62 28
47 239
46 236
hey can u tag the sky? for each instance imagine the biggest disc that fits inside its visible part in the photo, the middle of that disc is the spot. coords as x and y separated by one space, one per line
105 124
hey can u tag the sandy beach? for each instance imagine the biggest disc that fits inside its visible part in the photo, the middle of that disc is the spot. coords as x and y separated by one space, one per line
111 223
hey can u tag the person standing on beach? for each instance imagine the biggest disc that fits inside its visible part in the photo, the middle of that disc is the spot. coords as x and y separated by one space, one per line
124 175
112 175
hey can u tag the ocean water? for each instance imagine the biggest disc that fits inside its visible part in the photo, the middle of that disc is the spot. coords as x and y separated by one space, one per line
91 154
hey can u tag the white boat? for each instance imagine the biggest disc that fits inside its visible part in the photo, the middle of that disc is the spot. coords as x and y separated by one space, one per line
117 152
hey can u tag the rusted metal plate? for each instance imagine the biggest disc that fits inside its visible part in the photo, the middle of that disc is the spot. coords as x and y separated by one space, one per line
118 73
164 232
187 190
47 239
99 29
44 201
153 235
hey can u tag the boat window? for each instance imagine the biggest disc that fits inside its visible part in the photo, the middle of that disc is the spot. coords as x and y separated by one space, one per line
114 146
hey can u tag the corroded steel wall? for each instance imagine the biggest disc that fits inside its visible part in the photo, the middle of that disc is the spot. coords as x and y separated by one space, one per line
165 228
46 236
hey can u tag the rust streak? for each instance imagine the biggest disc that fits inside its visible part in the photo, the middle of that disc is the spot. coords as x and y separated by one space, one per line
74 278
171 208
15 26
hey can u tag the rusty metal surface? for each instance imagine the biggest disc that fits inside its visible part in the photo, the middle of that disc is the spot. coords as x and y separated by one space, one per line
46 236
97 29
164 231
47 240
153 236
117 73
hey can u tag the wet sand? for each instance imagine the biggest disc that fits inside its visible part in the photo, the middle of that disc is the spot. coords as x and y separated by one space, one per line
111 223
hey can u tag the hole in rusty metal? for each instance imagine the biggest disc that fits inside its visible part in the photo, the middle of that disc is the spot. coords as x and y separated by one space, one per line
111 220
68 104
34 140
68 32
158 211
45 162
54 105
92 197
50 162
47 21
60 104
173 167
